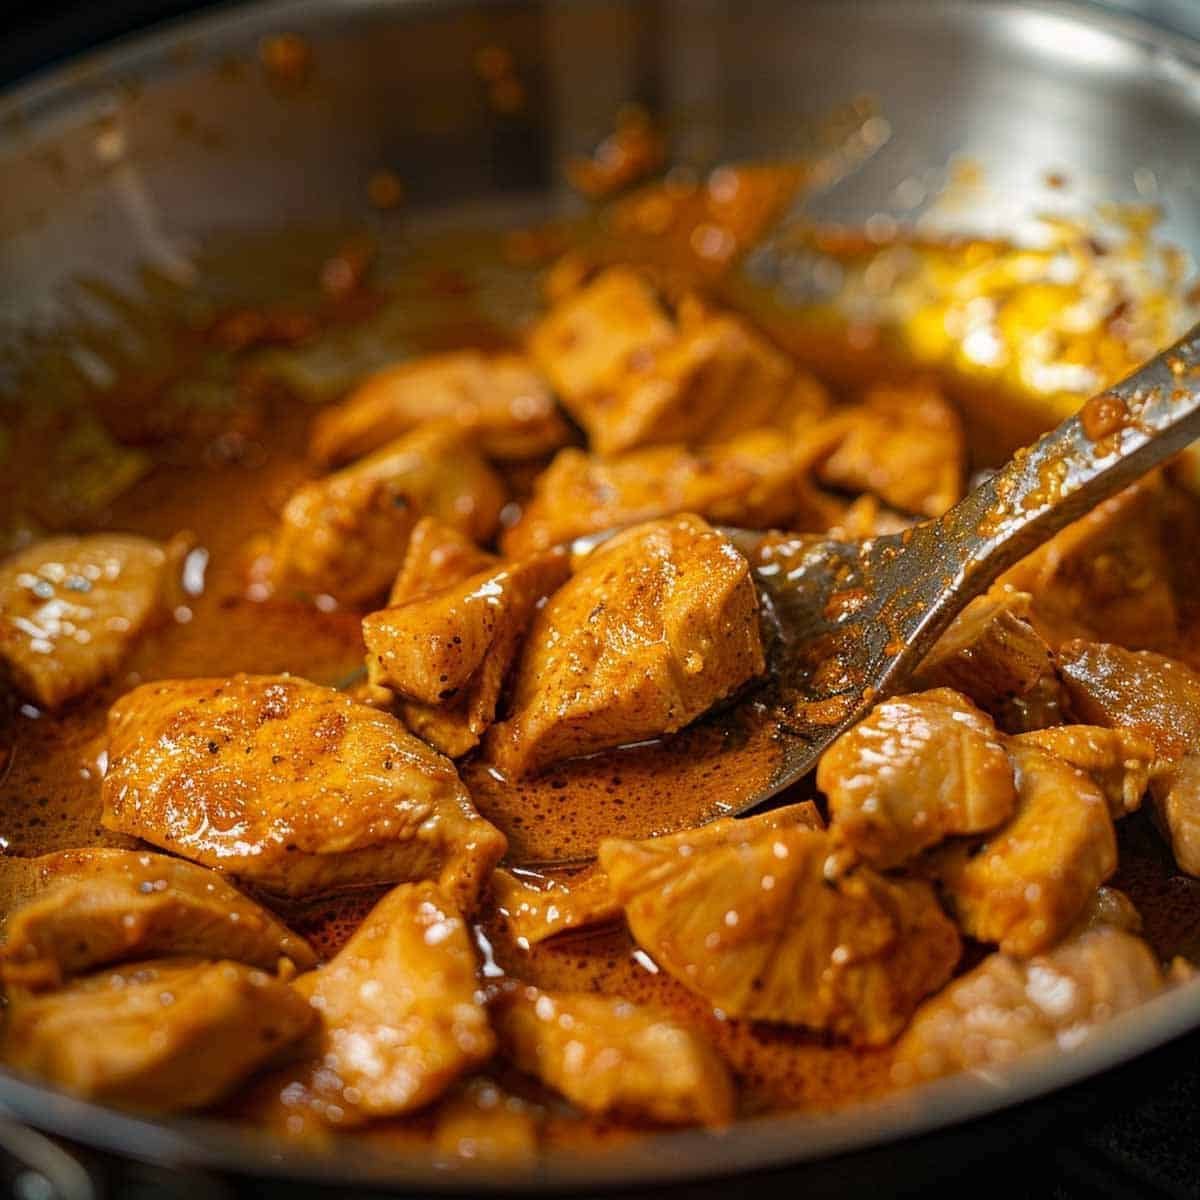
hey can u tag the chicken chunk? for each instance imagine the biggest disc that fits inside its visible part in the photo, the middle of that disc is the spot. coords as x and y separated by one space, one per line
755 922
292 786
346 535
165 1036
632 375
757 479
71 607
1122 762
448 653
715 377
993 654
586 343
918 769
1108 575
607 1055
656 626
401 1013
1154 697
536 907
102 906
499 399
1025 887
1006 1007
437 557
906 445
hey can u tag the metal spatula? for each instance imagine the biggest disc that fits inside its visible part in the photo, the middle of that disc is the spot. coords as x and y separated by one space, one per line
855 620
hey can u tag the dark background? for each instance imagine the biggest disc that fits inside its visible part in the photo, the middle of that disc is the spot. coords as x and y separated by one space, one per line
1134 1133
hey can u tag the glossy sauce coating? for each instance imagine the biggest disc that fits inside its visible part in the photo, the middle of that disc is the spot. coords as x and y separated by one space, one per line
50 782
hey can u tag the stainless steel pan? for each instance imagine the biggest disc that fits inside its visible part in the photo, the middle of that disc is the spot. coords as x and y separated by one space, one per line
145 150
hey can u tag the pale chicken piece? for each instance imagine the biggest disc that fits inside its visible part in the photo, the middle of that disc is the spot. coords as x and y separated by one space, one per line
993 654
71 607
1108 575
759 921
448 653
345 535
291 786
536 907
438 555
499 399
1122 762
1026 886
655 627
691 389
100 906
906 445
1111 908
607 1055
1157 698
401 1014
591 336
759 479
1007 1007
919 768
165 1036
483 1123
801 406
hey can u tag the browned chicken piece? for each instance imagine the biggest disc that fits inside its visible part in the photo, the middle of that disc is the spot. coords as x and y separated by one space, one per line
1157 698
994 655
71 607
906 445
918 769
1176 798
498 398
590 337
483 1123
1007 1007
757 479
101 906
1122 762
536 907
758 922
401 1013
1026 887
346 535
632 375
437 556
802 407
607 1055
1108 575
654 628
165 1036
1109 907
691 389
448 653
292 786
